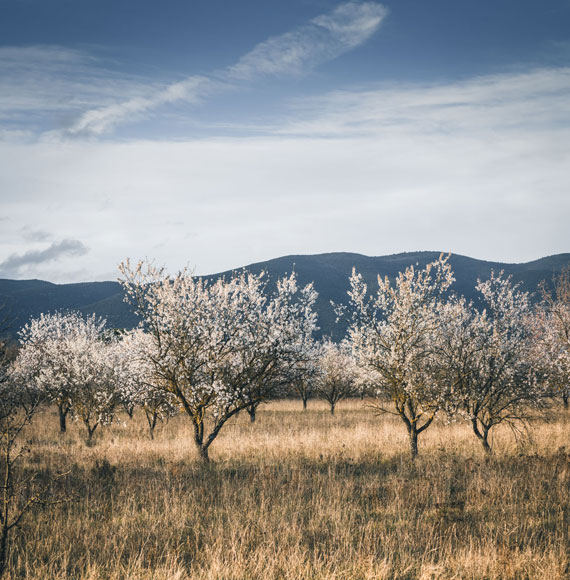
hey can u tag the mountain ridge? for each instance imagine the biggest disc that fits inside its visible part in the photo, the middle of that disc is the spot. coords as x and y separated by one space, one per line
329 272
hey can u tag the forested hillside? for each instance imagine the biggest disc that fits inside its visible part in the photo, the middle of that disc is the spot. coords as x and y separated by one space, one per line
329 272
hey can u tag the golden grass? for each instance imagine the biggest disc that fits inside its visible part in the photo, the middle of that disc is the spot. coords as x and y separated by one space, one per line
299 495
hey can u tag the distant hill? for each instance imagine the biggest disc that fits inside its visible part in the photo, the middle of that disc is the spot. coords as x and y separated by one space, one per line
23 299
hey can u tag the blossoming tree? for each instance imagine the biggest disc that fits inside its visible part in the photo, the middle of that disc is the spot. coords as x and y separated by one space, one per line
135 382
392 334
552 322
485 359
220 346
336 376
66 357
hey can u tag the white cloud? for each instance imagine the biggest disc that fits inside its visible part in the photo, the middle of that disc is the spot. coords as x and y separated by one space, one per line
525 100
324 38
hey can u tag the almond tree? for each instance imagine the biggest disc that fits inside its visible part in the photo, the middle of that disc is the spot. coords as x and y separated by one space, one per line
553 335
135 381
304 386
220 346
275 346
336 376
392 334
304 381
42 356
485 360
66 357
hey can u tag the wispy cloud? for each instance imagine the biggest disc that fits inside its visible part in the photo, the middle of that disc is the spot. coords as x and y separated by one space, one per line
293 53
322 39
536 98
14 264
56 83
98 121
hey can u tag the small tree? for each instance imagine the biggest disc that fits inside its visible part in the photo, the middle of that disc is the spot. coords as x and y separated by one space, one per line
18 495
552 321
304 380
134 382
485 359
67 357
336 376
220 346
392 333
304 387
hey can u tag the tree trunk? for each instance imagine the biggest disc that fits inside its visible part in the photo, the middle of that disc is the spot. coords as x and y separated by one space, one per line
304 403
332 409
413 442
407 412
485 442
152 419
3 548
251 410
63 410
203 453
90 431
482 436
565 401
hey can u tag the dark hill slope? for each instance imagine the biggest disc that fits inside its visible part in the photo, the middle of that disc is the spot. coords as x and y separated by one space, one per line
329 272
22 299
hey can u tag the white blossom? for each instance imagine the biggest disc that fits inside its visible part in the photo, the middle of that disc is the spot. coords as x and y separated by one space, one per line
392 335
220 346
66 357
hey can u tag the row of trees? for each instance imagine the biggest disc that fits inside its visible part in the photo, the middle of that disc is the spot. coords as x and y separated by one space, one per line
212 349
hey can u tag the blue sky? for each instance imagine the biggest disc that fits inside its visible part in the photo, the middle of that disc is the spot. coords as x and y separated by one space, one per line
219 133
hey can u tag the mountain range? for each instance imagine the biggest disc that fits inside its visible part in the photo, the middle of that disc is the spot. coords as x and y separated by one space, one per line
22 299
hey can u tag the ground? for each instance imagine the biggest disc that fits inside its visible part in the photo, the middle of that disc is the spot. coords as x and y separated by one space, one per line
298 495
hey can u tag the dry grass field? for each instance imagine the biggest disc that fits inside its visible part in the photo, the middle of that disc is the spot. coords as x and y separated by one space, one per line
298 495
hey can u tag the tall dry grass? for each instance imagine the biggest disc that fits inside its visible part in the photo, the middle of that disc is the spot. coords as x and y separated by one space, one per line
298 495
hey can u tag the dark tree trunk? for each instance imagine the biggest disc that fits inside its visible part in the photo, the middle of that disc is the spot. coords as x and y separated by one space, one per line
3 548
413 442
304 403
482 434
63 410
203 452
90 430
565 401
409 415
152 419
251 409
332 408
485 442
201 447
204 441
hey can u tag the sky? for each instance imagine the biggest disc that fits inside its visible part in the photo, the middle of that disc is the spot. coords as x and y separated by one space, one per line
214 134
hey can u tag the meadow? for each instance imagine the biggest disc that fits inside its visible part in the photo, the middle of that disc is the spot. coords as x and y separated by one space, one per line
297 495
